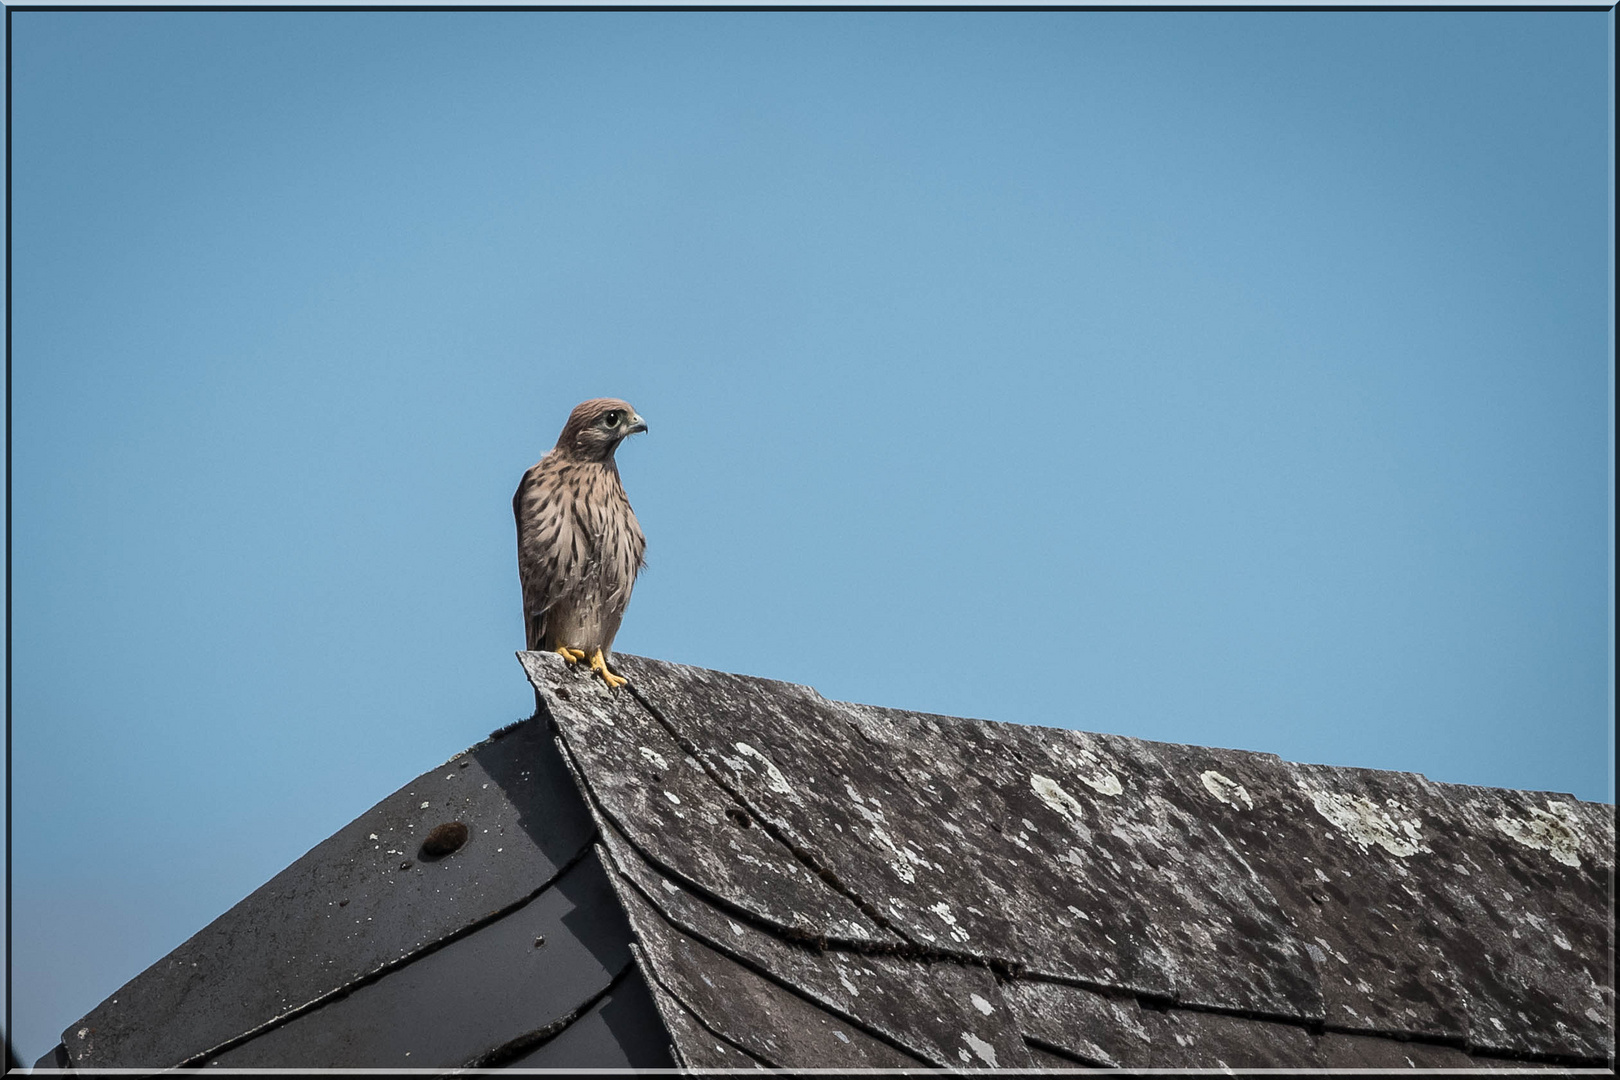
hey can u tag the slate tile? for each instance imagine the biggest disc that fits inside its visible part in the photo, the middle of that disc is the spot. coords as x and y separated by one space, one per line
1049 1062
1118 1032
1336 1050
1510 921
1378 964
1168 882
1098 1030
931 821
696 1047
670 808
939 1011
351 906
484 991
620 1031
772 1025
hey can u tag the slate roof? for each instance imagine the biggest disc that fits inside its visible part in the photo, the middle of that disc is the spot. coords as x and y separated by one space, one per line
713 870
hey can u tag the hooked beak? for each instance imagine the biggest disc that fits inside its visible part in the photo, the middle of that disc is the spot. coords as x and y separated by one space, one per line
636 424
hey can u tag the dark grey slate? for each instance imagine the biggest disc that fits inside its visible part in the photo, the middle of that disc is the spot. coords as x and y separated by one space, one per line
1229 905
1042 1059
483 993
672 810
928 1010
694 1046
1118 1032
621 1030
774 1026
1423 915
358 903
1336 1050
1377 964
938 824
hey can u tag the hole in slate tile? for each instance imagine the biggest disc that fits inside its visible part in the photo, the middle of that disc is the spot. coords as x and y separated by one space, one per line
441 840
561 692
406 865
343 903
738 816
540 941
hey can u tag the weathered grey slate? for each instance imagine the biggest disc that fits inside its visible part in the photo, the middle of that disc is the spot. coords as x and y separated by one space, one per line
695 1046
549 958
1093 1029
1045 1061
1513 926
360 901
1424 914
1336 1050
933 822
774 1026
1378 967
938 1012
1116 1032
1222 881
620 1031
670 809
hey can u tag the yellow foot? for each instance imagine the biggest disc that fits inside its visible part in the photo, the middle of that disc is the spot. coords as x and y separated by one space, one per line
599 666
573 656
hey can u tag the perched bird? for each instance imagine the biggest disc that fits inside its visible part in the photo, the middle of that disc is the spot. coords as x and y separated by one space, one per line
579 545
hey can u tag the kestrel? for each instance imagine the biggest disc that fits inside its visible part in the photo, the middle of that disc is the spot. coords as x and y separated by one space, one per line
579 545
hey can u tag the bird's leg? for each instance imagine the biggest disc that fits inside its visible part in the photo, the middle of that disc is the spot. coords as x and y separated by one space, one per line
599 665
573 656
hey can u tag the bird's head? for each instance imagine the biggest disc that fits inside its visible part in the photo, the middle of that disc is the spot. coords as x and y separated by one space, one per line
596 427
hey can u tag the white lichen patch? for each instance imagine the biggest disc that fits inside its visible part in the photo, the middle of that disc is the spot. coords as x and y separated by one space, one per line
986 1052
1103 782
1367 824
943 910
1226 790
654 756
1053 795
982 1005
773 776
873 817
1554 830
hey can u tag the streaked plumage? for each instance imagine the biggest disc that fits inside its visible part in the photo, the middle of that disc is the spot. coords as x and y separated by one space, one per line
579 544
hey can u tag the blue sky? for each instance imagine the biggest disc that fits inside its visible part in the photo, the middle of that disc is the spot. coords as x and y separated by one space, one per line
1232 379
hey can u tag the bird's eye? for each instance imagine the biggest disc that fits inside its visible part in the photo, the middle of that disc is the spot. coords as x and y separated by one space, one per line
611 419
